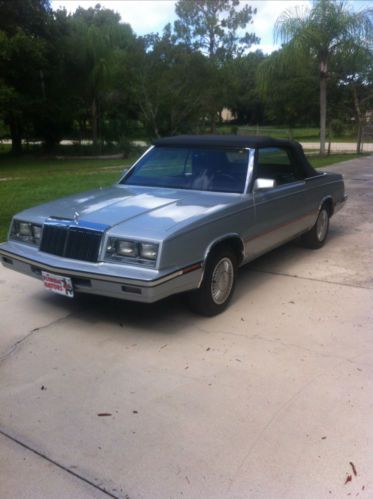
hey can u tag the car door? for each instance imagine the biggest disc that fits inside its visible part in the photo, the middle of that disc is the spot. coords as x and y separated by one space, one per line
282 211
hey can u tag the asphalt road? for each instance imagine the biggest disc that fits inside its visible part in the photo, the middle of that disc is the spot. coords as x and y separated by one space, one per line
272 399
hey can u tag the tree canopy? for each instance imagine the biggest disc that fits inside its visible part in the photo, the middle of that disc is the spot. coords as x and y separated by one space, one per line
87 75
326 31
212 26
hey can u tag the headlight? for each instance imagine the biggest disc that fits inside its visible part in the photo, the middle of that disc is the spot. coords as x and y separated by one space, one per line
126 248
24 229
149 251
36 232
26 232
123 248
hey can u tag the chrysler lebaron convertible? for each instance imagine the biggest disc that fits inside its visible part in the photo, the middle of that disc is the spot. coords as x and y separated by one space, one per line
183 218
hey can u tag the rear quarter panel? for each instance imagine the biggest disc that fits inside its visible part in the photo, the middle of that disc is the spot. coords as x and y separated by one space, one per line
322 187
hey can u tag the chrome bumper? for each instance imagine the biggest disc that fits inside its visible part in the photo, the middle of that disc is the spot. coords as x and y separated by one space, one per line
90 280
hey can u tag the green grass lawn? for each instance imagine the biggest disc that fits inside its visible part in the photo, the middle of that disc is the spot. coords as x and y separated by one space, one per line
25 182
301 134
320 161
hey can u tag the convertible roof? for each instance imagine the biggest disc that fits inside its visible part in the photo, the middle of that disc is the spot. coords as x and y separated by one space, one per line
223 141
250 141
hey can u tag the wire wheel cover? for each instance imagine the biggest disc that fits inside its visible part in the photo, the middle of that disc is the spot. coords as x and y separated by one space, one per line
322 225
222 281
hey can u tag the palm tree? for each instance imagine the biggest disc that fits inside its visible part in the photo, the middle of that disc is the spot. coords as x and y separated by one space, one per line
323 32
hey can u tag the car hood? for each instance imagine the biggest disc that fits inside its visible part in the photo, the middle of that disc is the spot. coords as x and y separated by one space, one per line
135 211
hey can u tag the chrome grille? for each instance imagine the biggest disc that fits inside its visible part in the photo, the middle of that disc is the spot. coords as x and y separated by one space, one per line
71 242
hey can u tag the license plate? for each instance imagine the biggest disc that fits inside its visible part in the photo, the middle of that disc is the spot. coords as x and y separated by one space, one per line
58 284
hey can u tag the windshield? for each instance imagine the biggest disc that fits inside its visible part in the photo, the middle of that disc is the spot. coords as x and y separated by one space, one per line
204 169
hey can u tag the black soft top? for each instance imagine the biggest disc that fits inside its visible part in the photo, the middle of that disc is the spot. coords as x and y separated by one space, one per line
223 141
250 141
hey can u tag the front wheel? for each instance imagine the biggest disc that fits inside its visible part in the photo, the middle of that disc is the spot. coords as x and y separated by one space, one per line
218 284
316 237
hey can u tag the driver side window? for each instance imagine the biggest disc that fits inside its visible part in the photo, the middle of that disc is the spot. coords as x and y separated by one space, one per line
277 163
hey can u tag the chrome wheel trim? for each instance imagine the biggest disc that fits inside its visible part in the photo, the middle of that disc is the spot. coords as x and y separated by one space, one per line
322 225
222 281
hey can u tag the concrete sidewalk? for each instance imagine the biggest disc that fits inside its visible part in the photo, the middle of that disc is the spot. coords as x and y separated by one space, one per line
272 399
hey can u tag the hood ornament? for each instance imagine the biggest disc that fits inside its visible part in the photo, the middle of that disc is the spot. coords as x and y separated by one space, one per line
76 217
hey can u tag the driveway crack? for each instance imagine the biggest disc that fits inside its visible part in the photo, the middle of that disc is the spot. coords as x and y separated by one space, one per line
277 341
15 346
56 463
284 274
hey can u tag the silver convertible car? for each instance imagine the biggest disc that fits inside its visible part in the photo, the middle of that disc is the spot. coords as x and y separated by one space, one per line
187 214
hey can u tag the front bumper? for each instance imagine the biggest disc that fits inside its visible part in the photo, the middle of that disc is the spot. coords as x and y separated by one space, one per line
102 278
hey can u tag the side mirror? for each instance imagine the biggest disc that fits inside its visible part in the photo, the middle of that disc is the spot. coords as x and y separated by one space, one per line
262 184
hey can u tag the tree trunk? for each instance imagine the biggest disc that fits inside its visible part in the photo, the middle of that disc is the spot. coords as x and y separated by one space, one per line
323 85
94 122
15 134
359 120
359 137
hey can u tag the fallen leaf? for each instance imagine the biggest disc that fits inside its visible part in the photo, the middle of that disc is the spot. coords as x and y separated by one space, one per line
348 479
353 468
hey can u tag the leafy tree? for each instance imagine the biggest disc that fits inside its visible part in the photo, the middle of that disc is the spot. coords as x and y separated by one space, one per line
23 27
28 15
243 96
214 28
21 59
288 90
355 71
95 41
323 32
171 85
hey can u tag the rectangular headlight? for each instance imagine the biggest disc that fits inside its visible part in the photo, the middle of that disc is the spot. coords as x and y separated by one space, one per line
24 229
26 232
126 248
131 249
149 251
36 232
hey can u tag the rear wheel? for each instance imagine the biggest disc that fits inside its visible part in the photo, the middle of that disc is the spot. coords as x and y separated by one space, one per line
316 237
218 283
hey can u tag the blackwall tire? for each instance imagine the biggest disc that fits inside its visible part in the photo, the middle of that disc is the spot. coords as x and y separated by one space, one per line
316 237
218 284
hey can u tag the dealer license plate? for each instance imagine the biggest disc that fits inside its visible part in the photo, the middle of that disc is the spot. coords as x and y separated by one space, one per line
58 284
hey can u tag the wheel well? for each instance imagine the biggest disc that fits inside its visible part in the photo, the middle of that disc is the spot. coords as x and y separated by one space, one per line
328 203
234 243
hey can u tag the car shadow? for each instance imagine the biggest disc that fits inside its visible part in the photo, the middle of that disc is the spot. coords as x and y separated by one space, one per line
157 316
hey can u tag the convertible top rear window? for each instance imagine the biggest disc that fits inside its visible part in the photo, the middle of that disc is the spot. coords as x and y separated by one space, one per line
198 168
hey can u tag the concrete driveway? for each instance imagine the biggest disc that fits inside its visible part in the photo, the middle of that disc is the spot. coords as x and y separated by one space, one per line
272 399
